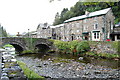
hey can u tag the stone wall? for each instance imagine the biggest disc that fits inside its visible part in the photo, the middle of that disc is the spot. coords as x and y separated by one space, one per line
105 47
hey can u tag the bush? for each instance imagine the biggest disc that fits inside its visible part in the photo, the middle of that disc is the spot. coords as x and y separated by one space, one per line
72 45
61 45
83 46
116 45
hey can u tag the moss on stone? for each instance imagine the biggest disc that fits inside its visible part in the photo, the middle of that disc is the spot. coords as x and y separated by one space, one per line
31 75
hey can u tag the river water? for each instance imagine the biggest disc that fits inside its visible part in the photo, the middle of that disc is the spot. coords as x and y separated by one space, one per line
59 65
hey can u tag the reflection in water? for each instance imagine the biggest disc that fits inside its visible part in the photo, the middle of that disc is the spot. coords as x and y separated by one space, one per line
102 62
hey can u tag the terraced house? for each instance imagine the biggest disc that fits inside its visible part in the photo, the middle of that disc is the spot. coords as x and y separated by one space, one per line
95 26
44 31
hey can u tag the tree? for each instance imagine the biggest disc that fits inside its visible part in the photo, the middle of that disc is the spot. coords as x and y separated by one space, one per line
80 7
3 32
57 19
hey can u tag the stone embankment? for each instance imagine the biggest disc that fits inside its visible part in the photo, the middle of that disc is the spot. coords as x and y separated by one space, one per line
10 70
102 47
69 68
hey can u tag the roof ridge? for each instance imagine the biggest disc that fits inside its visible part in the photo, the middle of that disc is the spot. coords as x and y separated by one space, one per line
91 14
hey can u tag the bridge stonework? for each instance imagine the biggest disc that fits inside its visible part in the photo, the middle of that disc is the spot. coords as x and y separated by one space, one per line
22 44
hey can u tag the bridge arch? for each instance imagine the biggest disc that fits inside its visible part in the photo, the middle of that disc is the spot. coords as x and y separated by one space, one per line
18 46
43 45
17 43
23 44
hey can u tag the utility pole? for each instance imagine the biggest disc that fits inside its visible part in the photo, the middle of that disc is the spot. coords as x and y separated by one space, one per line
28 33
1 31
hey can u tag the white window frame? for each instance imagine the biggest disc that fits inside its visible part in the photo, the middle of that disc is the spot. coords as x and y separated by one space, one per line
96 36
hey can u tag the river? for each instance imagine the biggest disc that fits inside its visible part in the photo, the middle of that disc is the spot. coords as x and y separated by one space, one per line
58 65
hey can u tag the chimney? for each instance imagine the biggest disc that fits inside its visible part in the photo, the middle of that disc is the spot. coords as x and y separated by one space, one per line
87 13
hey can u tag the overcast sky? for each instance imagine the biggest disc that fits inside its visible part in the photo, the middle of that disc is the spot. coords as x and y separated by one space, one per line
21 15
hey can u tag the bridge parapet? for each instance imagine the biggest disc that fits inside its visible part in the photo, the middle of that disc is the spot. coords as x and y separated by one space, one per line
22 44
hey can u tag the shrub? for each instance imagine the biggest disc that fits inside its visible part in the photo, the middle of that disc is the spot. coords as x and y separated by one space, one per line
83 46
72 45
116 45
61 45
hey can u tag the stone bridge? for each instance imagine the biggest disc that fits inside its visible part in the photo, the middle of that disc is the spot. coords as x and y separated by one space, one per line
22 44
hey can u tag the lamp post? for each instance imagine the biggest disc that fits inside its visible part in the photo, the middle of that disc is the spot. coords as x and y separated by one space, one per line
30 39
1 34
28 33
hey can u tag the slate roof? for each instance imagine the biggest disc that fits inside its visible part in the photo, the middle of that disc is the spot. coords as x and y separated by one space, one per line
57 26
91 14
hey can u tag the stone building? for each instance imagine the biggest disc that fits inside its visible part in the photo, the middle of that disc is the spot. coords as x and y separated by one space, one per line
32 34
95 26
59 31
115 35
44 31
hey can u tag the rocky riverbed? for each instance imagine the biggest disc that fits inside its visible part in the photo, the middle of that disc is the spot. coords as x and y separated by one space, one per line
10 70
68 68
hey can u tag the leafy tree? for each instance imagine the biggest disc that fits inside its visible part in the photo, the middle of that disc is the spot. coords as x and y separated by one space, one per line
3 32
57 19
80 7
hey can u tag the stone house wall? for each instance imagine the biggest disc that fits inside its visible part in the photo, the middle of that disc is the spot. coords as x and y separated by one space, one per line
84 29
95 28
102 47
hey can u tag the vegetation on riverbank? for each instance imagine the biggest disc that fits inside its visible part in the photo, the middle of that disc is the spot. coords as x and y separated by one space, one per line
83 48
31 75
8 45
28 51
102 55
72 47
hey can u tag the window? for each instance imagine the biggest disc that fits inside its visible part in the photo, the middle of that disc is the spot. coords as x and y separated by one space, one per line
96 26
96 35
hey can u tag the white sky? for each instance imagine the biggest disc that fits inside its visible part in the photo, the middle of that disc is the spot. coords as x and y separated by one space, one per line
21 15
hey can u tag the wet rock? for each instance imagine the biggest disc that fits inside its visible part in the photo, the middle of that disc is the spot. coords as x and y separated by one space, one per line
4 74
80 58
4 78
97 72
67 70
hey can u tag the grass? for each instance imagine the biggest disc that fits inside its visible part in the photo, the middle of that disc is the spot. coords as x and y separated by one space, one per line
106 55
31 75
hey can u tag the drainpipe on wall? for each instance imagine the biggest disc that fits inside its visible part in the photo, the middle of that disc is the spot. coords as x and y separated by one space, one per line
105 32
82 29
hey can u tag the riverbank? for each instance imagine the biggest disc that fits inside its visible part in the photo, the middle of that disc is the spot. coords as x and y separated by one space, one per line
53 67
31 75
100 49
